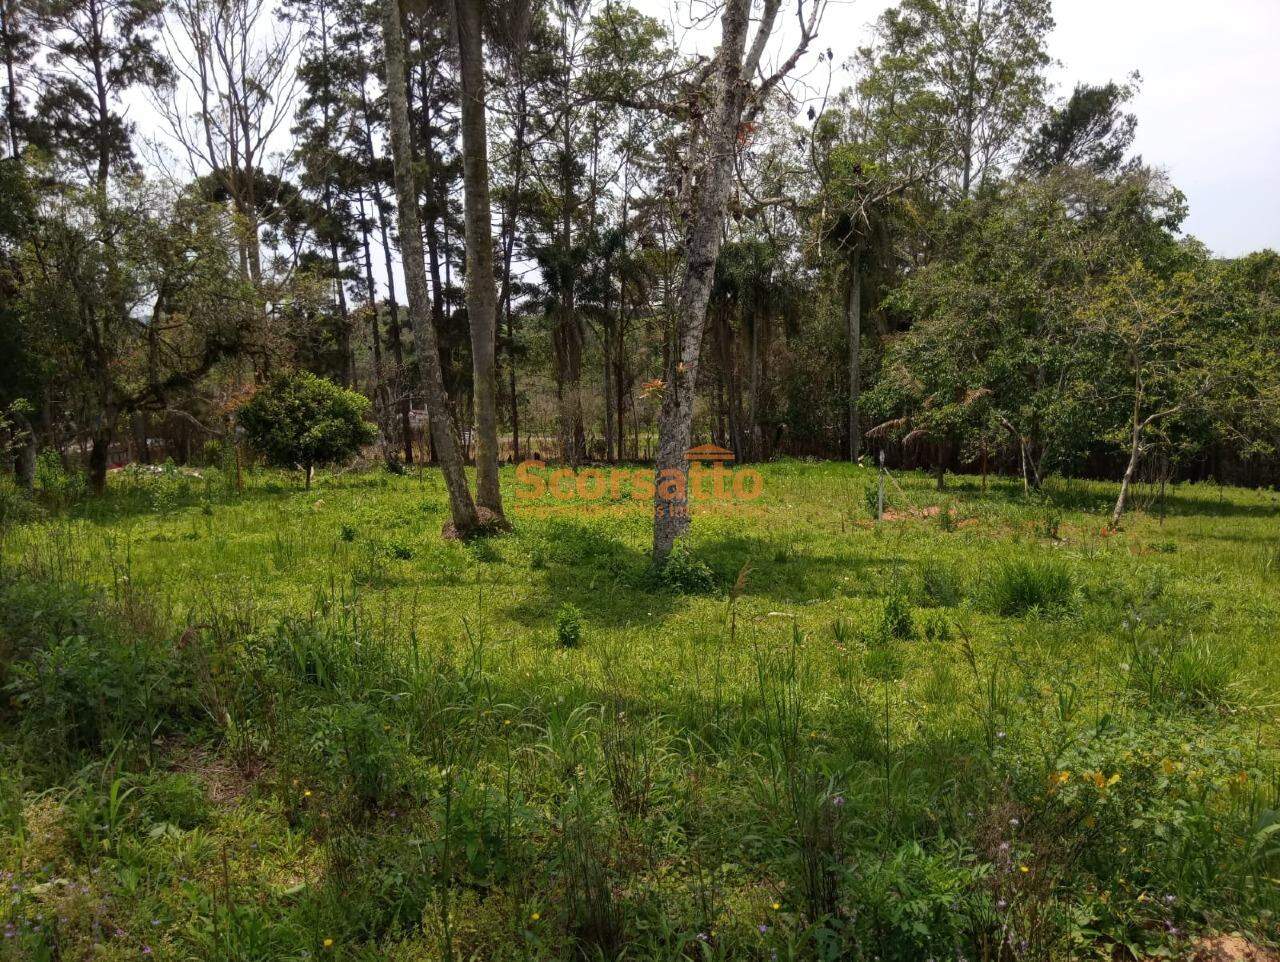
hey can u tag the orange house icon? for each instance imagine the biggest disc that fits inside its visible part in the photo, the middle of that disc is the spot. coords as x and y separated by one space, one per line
709 452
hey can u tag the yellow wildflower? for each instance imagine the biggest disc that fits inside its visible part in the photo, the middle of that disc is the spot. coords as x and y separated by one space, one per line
328 943
776 906
535 916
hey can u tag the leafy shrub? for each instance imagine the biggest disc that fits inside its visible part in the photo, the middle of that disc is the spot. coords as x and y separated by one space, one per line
303 420
1048 522
685 574
74 682
918 904
896 621
568 626
400 550
1020 586
85 691
937 630
350 746
947 517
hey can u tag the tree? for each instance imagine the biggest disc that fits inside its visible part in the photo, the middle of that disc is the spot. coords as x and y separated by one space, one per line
301 420
461 506
17 46
1166 359
994 357
132 301
233 90
1089 130
960 81
98 50
482 308
734 96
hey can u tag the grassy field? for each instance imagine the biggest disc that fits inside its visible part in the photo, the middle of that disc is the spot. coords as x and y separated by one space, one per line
287 724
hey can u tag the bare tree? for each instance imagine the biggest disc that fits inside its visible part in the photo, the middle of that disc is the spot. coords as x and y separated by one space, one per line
737 92
234 92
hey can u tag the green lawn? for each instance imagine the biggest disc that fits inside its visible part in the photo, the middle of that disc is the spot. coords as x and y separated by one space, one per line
281 717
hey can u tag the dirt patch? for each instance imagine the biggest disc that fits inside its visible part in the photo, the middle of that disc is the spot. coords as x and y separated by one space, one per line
226 783
1230 948
488 524
932 512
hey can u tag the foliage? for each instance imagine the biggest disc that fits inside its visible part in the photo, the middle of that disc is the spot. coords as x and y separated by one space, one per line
568 626
304 420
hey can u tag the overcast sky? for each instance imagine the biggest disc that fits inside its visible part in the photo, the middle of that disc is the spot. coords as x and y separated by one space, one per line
1209 110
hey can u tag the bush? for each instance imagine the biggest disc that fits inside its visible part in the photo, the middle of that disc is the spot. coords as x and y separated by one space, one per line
15 505
1020 586
303 420
54 482
896 621
78 687
568 626
684 574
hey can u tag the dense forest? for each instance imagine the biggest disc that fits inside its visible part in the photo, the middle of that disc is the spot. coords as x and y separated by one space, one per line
539 228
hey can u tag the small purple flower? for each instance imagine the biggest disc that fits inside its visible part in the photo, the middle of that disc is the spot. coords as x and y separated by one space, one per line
763 928
146 950
838 801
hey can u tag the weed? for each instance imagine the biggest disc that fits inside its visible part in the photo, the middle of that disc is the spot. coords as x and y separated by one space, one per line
1021 586
940 584
896 621
683 573
568 626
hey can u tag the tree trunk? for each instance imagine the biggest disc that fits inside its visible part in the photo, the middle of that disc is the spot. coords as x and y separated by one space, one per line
482 306
381 396
675 420
99 457
1135 454
11 83
853 324
461 507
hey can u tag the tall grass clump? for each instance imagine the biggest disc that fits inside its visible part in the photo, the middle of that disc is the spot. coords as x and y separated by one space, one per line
1023 585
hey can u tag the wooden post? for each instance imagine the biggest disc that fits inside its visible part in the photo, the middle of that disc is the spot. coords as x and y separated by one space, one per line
880 490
